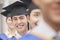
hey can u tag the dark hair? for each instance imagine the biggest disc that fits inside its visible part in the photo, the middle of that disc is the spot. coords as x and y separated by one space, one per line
30 8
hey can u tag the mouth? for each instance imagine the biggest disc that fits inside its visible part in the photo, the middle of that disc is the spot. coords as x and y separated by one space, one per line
20 26
56 9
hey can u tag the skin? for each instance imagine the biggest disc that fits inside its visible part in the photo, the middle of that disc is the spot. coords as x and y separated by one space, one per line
20 23
9 22
34 17
11 28
51 12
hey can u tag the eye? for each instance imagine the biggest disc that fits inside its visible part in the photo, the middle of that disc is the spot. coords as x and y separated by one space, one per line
14 18
9 19
36 14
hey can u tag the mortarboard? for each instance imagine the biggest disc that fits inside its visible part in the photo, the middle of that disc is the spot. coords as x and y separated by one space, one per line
18 11
15 4
31 7
6 14
27 2
17 8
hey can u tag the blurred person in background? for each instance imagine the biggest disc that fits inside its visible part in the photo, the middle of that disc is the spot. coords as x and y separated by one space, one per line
11 30
33 15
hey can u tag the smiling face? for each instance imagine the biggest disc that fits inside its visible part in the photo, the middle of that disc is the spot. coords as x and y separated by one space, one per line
34 17
50 9
20 22
9 22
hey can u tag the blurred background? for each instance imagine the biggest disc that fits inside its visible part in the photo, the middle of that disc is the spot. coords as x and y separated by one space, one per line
4 3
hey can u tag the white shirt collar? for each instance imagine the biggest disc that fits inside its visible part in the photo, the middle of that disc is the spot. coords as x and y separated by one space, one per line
44 28
17 35
8 34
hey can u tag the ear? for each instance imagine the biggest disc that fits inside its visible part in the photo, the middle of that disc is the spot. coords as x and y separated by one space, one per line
28 18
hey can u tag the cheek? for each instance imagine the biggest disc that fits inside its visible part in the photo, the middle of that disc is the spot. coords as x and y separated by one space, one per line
9 22
24 21
46 3
33 19
15 23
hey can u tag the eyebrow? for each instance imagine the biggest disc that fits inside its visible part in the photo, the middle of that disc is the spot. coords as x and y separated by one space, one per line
37 12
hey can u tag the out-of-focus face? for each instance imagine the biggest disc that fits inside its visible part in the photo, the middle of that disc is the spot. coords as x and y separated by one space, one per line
50 9
34 17
9 22
20 22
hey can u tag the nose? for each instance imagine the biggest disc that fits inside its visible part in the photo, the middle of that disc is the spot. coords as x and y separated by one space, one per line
19 21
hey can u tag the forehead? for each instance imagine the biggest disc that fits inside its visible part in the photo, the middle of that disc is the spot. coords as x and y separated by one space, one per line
20 16
36 10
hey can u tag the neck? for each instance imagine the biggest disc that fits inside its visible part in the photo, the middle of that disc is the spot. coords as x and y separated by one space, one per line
52 24
23 32
11 30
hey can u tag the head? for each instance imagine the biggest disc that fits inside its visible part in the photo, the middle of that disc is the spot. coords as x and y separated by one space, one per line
33 15
50 9
20 22
9 22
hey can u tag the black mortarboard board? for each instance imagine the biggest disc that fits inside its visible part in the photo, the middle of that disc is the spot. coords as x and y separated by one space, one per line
18 11
15 4
31 7
17 8
6 14
27 2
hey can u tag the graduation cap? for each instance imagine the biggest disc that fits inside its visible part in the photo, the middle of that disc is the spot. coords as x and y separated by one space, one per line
18 11
14 9
15 4
31 7
27 2
6 14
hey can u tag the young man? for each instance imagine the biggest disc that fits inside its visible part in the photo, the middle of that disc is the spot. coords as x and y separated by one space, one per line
11 30
49 26
33 15
19 20
18 16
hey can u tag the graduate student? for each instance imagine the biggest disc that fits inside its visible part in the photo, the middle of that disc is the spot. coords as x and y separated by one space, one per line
33 15
17 11
19 18
11 30
49 26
